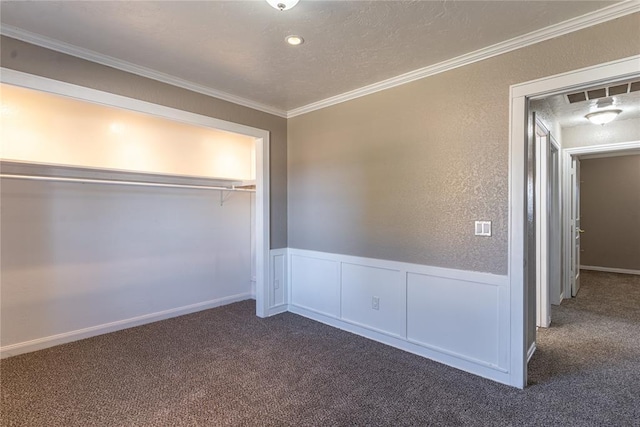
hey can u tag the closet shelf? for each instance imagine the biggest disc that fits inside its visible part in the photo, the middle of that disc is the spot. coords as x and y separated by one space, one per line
88 175
247 185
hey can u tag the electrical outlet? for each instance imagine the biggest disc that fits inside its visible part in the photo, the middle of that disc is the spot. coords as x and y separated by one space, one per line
375 303
276 284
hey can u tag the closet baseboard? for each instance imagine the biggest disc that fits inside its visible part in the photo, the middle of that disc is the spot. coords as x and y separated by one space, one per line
610 269
79 334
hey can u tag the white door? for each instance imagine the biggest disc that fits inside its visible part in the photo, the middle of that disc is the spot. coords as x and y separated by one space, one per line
575 226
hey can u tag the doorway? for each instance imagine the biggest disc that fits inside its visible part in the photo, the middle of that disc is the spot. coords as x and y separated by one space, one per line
522 338
572 162
562 119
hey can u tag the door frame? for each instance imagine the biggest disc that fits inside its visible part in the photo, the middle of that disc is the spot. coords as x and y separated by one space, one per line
567 157
519 95
544 219
573 233
555 228
261 138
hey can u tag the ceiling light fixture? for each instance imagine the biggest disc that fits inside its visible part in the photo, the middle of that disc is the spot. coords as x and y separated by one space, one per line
283 4
602 117
294 40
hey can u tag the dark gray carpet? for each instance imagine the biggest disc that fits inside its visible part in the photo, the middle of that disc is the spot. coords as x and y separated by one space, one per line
226 367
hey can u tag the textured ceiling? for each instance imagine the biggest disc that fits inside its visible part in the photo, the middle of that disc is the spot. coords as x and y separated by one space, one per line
238 46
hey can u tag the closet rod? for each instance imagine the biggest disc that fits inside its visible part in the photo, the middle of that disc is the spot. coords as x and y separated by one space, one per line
115 182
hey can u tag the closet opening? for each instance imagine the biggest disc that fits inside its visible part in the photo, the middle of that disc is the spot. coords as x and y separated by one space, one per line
117 212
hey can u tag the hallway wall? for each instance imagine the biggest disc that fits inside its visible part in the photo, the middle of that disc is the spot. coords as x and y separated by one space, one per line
610 212
611 133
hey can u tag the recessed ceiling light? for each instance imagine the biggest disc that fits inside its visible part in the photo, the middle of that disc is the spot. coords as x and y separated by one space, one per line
603 117
294 40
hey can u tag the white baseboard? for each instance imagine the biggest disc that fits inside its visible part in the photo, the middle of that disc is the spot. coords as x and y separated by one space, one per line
609 269
278 309
67 337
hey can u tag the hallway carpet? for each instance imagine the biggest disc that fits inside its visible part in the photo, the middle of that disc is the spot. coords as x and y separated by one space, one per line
226 367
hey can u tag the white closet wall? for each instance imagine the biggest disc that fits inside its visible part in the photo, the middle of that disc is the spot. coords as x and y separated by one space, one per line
81 259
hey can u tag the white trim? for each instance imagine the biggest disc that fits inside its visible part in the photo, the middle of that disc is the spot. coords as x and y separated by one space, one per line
593 18
31 81
555 227
532 349
566 178
516 261
610 269
543 306
608 13
518 95
118 64
262 227
263 224
626 68
608 155
263 241
478 368
449 273
566 158
278 309
53 340
545 219
604 148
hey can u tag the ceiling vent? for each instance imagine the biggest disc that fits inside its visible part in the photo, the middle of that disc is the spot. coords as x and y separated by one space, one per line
618 89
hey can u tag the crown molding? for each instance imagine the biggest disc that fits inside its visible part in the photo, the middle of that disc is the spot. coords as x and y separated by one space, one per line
608 13
590 19
109 61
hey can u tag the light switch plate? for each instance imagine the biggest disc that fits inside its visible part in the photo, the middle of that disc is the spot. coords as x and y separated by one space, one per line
483 228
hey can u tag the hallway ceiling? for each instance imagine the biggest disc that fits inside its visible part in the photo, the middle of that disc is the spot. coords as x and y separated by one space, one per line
569 115
238 46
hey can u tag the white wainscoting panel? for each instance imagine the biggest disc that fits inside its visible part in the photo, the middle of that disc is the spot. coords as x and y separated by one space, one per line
277 296
460 318
360 284
278 282
315 284
453 315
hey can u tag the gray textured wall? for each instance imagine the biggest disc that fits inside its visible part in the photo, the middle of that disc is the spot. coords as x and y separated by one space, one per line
610 212
403 173
32 59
